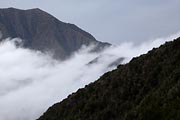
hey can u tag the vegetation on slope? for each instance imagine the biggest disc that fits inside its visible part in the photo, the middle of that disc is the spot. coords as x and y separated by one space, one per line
147 88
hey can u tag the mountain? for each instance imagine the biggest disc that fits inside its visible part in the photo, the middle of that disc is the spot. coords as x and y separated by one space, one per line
98 59
41 31
146 88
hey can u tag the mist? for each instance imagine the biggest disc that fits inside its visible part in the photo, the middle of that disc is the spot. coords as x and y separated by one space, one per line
32 81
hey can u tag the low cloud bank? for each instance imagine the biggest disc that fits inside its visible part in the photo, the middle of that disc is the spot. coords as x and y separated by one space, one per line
31 81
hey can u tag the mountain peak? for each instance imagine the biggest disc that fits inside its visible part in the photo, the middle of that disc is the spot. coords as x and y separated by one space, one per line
42 31
12 8
16 10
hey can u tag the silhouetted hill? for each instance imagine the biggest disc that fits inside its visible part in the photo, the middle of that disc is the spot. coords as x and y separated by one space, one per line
147 88
41 31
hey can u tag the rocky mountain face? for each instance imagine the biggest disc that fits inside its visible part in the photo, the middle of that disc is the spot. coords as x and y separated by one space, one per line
147 88
41 31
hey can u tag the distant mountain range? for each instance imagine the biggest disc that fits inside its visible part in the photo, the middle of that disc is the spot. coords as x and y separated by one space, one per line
147 88
41 31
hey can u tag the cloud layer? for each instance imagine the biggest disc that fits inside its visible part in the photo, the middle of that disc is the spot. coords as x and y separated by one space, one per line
31 81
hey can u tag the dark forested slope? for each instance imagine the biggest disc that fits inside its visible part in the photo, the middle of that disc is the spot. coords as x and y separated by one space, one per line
147 88
41 31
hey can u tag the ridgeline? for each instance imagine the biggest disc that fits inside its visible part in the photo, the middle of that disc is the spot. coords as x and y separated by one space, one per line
147 88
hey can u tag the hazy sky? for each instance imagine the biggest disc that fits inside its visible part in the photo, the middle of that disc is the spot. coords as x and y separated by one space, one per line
112 20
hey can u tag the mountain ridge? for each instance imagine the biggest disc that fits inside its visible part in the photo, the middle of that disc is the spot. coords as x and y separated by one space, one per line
146 88
41 31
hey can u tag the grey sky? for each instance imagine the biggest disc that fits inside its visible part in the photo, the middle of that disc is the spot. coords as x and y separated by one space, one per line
112 20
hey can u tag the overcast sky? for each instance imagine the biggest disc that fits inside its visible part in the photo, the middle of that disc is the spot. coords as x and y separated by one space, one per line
113 21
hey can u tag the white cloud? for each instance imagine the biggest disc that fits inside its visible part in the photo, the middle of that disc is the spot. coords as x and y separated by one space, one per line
31 81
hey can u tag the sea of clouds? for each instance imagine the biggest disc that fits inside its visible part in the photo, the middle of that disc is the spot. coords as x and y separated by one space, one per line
31 81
